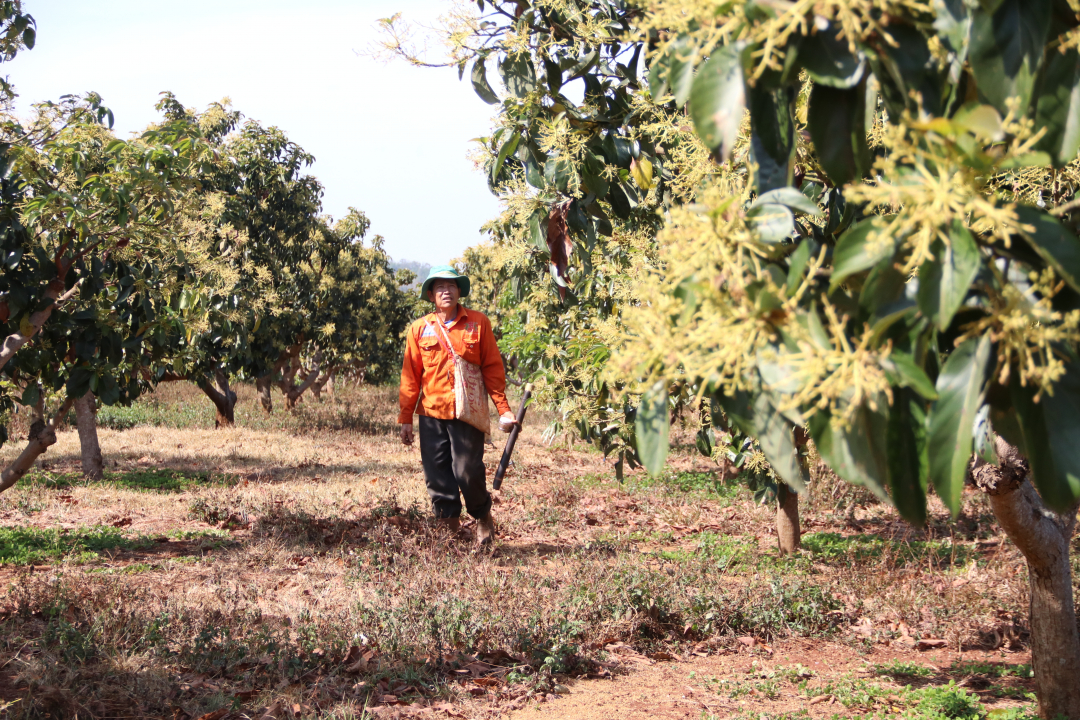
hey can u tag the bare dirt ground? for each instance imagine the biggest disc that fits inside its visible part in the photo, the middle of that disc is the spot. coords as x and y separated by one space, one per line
286 568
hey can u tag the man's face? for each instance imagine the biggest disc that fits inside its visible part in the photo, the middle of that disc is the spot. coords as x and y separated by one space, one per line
445 294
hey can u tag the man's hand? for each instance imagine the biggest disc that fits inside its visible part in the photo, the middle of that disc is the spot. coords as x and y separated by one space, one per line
507 421
406 434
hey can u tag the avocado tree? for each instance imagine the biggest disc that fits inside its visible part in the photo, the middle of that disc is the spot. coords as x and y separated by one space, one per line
898 272
583 161
85 267
298 295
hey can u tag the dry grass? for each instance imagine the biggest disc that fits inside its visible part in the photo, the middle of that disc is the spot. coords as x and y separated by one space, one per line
288 563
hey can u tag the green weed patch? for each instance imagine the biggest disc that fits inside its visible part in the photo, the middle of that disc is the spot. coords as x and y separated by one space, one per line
150 480
32 546
835 547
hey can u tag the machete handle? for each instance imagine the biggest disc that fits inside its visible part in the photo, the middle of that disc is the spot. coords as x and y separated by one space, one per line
504 463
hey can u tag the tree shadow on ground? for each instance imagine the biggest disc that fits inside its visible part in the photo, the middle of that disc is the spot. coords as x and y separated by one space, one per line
236 468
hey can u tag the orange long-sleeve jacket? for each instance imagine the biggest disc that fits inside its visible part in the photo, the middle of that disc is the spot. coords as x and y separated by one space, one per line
427 374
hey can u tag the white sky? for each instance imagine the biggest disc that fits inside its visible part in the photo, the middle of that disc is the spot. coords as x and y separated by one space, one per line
388 139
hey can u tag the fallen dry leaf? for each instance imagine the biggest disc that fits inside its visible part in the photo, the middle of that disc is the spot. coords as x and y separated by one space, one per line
216 715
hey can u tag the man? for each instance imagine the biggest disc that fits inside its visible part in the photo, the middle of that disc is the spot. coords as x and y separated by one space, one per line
451 450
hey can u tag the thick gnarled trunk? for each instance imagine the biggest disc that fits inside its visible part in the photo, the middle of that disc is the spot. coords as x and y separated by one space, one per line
93 465
325 382
1043 537
222 396
292 395
41 437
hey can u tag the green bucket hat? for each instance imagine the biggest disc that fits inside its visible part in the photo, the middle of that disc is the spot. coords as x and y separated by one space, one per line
445 272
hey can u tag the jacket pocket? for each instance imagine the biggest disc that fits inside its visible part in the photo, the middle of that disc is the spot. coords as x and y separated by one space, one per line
429 351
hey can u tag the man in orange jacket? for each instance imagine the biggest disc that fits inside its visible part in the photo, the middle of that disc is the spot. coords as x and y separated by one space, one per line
451 450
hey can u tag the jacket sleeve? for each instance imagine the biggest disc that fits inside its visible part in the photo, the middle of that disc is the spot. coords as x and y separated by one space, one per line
412 372
491 366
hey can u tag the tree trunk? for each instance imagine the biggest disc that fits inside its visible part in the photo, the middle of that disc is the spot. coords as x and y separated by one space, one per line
325 381
788 531
93 465
1043 537
312 375
265 398
223 398
288 365
41 437
787 519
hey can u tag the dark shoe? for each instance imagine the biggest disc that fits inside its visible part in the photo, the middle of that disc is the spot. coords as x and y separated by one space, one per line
450 525
485 530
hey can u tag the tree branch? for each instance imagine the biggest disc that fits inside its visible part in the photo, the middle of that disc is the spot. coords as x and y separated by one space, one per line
42 436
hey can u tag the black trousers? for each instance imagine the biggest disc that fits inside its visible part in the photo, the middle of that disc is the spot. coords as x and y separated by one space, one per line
452 452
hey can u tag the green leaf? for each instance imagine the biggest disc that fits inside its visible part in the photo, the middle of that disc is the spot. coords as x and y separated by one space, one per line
539 239
829 60
854 254
756 415
518 74
953 23
596 185
1006 49
533 175
797 263
775 435
704 441
772 136
682 55
29 37
31 395
856 452
771 223
909 76
717 100
557 172
1054 243
980 120
1057 111
790 197
904 372
945 280
1051 430
109 392
907 458
836 120
651 428
554 76
507 149
951 422
480 83
658 78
